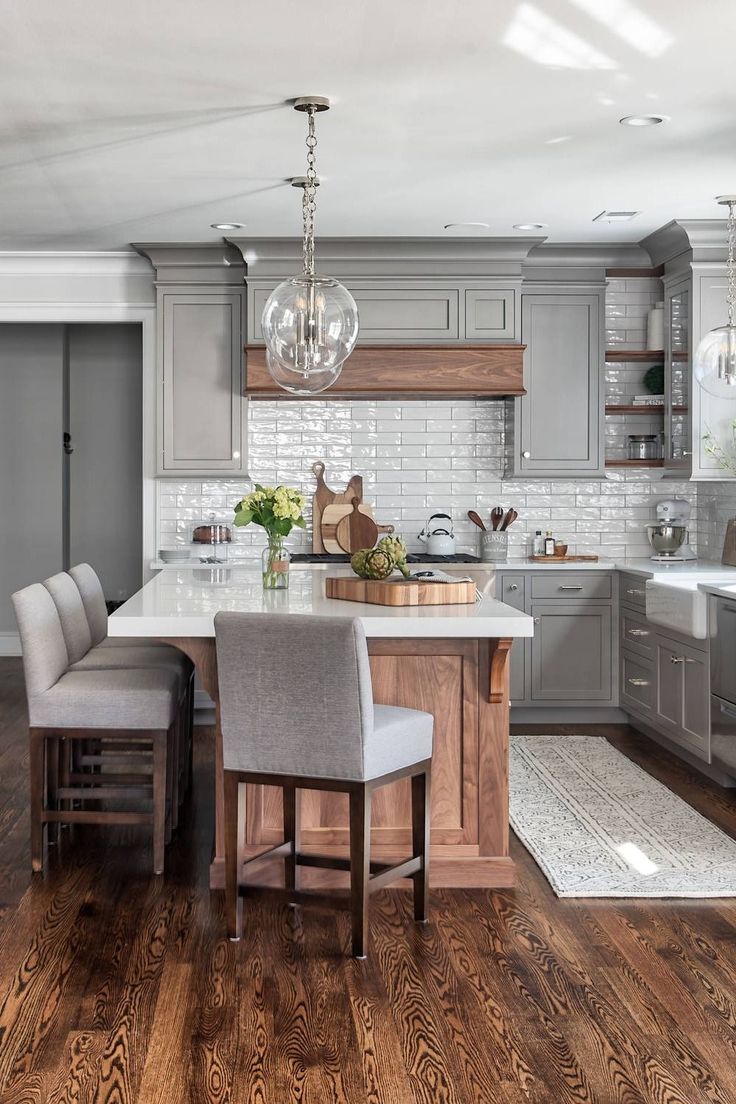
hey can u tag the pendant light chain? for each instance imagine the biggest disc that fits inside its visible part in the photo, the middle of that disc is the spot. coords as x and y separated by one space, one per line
731 264
309 196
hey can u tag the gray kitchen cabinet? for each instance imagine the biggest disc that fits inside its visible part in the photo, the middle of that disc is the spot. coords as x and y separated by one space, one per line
571 651
682 698
637 683
490 314
202 411
677 378
512 591
558 424
569 660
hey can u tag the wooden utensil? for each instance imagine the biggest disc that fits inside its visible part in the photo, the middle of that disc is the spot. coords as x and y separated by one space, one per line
324 497
333 515
357 530
510 518
476 519
496 515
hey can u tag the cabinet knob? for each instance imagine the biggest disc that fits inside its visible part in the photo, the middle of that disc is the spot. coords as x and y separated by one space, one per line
514 586
676 659
536 620
526 455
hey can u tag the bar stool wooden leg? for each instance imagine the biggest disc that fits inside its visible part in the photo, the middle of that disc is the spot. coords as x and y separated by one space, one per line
292 805
233 901
160 787
420 799
360 866
37 759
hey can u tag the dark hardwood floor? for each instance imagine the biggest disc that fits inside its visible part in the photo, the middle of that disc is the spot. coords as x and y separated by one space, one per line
117 986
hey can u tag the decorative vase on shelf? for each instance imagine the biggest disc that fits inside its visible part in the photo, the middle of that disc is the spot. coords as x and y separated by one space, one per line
275 564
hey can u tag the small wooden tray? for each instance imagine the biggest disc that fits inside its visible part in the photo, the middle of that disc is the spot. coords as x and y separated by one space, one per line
563 559
400 593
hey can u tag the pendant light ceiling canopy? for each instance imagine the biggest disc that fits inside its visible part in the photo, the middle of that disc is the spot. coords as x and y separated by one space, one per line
715 357
310 321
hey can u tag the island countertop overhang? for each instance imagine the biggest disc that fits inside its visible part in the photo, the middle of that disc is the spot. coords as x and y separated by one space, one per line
178 604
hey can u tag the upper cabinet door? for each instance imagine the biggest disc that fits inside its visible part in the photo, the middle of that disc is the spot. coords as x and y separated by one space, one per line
677 378
202 411
559 422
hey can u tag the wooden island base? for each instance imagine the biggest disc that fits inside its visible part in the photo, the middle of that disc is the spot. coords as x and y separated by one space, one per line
464 684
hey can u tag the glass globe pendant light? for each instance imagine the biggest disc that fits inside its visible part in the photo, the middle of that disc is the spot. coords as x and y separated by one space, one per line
310 321
715 357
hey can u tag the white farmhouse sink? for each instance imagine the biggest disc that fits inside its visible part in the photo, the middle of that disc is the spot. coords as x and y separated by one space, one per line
678 604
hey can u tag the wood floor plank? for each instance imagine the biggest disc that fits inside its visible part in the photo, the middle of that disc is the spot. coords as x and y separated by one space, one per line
119 987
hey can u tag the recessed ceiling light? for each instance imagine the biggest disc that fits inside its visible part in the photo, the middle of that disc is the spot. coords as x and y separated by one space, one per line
530 225
643 120
467 225
227 225
615 216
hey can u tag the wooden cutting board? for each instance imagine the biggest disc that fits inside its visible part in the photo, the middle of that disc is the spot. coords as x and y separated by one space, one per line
331 518
324 497
400 593
356 530
563 559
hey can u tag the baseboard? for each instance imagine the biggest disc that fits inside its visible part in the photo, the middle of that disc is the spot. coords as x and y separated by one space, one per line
714 773
10 644
589 714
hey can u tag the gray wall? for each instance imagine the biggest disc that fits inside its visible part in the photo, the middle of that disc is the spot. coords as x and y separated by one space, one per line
31 373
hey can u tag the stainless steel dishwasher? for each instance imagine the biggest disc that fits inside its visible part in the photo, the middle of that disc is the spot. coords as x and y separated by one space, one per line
722 631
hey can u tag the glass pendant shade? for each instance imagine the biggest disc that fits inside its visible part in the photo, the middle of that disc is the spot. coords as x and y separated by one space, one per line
715 362
310 325
302 383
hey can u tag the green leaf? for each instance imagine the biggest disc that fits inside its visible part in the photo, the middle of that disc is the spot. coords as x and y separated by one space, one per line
244 517
300 523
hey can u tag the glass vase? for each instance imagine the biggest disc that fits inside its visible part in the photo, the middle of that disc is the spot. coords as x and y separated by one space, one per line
275 564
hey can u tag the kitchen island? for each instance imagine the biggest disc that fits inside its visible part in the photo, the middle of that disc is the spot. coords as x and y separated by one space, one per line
451 661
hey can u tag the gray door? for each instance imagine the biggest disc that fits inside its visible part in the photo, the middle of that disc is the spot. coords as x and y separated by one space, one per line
31 426
105 468
560 418
571 652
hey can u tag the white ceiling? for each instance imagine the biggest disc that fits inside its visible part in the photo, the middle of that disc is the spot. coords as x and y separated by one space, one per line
150 119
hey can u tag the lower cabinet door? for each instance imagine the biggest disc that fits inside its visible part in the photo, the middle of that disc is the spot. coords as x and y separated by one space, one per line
683 696
571 652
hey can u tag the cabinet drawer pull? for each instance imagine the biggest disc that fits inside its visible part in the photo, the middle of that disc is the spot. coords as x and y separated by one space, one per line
676 659
638 682
634 592
638 632
569 587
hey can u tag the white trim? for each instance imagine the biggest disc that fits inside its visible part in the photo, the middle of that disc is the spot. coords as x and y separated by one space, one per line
10 644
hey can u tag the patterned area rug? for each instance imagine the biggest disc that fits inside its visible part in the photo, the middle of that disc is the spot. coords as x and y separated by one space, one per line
599 826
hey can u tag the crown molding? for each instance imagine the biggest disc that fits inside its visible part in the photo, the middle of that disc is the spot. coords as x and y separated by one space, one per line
703 239
194 262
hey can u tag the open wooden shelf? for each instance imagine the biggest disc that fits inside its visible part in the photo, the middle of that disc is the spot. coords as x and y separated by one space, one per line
613 408
634 354
634 463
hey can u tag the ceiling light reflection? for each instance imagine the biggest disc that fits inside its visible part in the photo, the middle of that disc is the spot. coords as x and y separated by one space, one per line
544 41
636 858
635 27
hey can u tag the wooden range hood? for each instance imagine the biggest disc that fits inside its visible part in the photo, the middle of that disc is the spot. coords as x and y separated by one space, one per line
408 371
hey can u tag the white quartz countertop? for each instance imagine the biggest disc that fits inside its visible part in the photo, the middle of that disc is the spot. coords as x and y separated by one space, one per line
182 602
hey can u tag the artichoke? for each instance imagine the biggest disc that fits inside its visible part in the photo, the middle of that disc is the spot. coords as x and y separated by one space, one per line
396 549
378 564
357 562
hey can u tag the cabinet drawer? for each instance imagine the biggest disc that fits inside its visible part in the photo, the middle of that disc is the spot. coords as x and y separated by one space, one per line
637 634
569 585
637 683
633 591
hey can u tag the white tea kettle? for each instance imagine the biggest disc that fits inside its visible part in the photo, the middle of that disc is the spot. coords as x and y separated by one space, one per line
439 539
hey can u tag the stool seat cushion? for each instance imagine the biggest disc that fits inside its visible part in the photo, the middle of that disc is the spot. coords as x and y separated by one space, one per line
116 699
400 738
163 658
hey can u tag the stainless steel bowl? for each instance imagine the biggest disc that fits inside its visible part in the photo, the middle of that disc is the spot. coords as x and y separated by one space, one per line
666 539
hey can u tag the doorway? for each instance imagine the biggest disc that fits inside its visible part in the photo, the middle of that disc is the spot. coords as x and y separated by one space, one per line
71 479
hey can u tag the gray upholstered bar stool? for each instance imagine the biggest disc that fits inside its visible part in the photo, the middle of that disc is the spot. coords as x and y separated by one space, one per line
83 623
297 711
129 705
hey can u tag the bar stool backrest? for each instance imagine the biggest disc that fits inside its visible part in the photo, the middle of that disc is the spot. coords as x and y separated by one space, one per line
45 658
70 607
93 599
295 694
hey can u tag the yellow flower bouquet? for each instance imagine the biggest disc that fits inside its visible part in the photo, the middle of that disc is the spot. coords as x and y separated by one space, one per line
278 510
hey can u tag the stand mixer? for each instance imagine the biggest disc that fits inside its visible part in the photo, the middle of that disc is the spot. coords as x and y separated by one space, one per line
668 535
